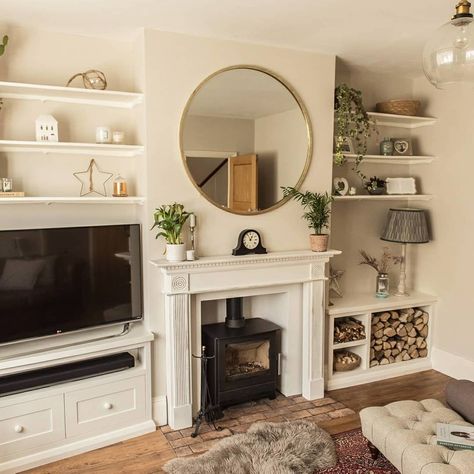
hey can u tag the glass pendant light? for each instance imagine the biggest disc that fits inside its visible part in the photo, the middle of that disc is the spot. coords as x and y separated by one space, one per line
448 57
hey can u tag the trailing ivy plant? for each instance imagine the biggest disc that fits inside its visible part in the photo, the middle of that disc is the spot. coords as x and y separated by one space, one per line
316 206
3 45
351 121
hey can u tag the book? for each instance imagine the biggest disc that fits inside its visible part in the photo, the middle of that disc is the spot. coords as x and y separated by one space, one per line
15 194
455 436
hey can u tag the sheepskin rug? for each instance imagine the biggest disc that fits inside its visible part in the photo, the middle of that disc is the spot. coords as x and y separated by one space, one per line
267 448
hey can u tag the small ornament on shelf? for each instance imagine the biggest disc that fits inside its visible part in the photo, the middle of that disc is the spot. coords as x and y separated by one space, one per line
92 79
93 180
47 129
191 254
120 187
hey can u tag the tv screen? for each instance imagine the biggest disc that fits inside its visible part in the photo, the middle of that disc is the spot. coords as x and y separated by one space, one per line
65 279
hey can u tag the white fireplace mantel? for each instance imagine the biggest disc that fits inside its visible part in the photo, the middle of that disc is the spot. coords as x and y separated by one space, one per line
183 280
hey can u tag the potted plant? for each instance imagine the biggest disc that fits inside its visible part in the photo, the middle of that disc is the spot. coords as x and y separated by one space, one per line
351 121
170 218
317 213
375 186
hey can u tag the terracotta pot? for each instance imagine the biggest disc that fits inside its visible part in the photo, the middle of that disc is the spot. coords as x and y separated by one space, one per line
319 243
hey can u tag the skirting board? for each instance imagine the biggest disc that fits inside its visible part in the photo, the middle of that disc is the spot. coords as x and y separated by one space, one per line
159 410
452 365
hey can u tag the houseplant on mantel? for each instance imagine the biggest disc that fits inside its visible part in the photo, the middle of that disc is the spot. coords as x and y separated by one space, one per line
317 213
351 121
170 218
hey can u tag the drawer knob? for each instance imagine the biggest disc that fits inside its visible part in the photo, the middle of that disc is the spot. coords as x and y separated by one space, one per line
108 406
18 428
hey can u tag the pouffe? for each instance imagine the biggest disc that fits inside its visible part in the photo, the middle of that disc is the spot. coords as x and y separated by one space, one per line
405 433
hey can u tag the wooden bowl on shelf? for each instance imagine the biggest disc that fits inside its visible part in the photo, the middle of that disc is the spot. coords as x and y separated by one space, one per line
399 107
345 361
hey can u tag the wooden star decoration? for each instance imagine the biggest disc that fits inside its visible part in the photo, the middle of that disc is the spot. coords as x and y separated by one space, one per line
93 179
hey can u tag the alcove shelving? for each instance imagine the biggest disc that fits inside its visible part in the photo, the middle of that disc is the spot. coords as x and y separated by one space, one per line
391 160
385 197
70 96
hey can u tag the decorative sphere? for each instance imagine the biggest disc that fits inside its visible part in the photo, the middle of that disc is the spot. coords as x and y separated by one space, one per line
94 79
448 57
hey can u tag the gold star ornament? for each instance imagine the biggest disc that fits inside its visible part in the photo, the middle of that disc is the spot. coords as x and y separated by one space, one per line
93 179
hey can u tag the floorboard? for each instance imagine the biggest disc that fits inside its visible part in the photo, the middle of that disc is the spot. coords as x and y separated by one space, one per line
147 454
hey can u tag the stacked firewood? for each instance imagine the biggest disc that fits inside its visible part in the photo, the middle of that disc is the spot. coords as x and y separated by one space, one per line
398 336
348 330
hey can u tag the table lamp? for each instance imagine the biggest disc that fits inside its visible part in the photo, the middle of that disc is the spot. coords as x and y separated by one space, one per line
405 226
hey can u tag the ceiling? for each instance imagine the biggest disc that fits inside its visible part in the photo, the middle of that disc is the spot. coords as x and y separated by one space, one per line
379 35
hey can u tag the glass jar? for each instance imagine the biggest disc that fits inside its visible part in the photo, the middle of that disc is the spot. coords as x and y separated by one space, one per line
383 286
386 147
120 187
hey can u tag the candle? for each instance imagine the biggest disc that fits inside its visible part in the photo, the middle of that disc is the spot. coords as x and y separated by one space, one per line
192 220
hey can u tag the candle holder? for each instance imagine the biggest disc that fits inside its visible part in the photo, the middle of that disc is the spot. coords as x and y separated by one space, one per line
192 230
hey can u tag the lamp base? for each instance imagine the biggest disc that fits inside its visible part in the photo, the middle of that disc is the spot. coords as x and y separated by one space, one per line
399 293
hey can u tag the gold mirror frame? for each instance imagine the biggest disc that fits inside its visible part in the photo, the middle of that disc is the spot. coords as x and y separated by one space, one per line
309 135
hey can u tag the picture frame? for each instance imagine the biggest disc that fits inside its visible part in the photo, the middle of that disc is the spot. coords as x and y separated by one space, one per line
341 186
402 147
347 146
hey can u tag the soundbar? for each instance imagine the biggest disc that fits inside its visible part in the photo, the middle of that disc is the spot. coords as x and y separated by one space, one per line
16 383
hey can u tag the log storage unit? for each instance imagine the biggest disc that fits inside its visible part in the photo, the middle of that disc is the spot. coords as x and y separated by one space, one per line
391 337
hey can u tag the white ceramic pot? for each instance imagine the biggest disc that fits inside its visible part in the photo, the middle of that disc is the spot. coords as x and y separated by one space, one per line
176 252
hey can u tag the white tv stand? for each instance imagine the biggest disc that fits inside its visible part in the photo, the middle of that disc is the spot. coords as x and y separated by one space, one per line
51 423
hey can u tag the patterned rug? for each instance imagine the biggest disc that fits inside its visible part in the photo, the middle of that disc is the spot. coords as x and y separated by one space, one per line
354 456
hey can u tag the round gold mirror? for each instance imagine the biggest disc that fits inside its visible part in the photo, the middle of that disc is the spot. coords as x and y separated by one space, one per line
244 134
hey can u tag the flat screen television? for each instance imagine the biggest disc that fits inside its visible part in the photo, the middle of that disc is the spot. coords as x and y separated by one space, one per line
58 280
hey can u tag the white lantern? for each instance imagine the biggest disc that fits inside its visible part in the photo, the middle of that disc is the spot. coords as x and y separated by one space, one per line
47 129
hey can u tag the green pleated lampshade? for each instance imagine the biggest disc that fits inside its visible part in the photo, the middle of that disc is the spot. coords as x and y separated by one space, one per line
406 226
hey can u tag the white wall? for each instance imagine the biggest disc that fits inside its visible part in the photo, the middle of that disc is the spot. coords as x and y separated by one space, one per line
175 65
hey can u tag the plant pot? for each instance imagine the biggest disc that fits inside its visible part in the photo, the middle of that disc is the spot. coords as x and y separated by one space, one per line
319 243
176 252
376 192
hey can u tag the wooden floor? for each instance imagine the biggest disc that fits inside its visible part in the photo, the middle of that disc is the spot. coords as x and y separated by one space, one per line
146 454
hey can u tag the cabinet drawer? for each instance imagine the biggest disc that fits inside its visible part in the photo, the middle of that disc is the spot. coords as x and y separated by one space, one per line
105 407
28 425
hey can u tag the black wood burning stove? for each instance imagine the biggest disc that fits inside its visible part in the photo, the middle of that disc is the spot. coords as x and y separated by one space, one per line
246 362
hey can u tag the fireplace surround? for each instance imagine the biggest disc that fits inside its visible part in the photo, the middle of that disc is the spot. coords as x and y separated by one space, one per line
187 285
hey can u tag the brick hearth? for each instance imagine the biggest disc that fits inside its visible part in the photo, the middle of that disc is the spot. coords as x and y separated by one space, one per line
237 419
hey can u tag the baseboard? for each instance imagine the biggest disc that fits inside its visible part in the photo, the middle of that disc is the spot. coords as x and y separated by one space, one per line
159 410
451 364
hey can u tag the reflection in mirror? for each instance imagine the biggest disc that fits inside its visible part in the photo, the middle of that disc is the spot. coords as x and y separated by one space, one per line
243 136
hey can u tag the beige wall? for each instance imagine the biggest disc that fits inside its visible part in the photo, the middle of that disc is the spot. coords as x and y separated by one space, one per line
175 65
448 261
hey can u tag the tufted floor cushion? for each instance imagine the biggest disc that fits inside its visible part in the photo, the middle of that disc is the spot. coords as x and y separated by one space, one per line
405 432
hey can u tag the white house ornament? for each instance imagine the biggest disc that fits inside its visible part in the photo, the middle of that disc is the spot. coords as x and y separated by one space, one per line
93 180
47 129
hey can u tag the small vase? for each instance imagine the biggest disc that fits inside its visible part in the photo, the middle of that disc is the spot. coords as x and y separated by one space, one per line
319 243
382 286
386 147
376 191
176 252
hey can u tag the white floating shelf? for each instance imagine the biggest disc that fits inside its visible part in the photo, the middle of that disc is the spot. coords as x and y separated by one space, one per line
401 121
357 303
73 200
391 160
70 148
385 197
72 95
